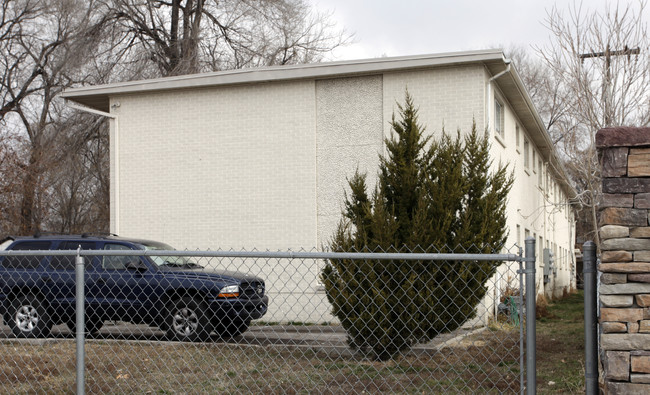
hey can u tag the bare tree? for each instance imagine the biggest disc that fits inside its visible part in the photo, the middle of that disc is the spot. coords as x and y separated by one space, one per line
551 98
79 191
190 36
9 184
593 74
44 44
14 15
55 160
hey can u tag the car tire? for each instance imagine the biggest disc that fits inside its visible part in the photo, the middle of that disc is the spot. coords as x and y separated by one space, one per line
92 324
187 320
232 328
29 318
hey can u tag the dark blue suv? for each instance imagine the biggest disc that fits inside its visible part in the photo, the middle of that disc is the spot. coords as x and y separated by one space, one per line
170 292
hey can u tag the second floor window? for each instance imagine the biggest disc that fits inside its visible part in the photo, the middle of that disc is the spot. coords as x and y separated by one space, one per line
498 118
517 143
526 153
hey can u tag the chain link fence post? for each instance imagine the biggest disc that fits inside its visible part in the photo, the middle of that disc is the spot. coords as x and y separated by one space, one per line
591 318
80 324
531 335
522 370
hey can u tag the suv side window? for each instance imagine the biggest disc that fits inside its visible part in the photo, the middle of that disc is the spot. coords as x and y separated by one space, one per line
26 262
115 262
67 262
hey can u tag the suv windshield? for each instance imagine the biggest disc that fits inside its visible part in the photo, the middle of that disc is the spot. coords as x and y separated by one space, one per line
164 260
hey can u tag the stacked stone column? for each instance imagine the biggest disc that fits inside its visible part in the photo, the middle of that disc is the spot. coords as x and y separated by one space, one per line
624 287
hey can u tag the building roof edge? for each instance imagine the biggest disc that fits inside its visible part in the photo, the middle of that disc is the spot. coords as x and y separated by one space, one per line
97 96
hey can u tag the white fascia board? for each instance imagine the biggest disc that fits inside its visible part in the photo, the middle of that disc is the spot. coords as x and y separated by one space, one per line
278 73
552 156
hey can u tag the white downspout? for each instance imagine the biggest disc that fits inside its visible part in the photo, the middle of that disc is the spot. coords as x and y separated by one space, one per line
489 100
116 135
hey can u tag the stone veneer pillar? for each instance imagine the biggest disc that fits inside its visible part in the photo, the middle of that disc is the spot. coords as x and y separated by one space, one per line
624 285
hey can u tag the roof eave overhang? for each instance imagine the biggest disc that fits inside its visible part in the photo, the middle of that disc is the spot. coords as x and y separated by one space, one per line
98 97
513 87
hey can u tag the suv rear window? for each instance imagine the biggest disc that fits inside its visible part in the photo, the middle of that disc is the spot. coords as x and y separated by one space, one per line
26 262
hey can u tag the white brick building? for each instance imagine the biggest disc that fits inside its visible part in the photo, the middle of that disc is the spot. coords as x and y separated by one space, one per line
258 158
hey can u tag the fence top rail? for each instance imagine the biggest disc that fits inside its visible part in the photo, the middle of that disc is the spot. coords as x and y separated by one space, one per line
273 255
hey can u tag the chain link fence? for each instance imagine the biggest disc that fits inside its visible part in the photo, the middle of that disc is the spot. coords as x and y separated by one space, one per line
262 322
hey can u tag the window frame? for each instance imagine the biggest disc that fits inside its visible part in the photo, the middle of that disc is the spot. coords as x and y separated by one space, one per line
113 257
67 262
526 154
26 262
517 138
499 119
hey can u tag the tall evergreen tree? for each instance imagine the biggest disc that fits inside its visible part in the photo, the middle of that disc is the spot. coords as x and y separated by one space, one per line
431 195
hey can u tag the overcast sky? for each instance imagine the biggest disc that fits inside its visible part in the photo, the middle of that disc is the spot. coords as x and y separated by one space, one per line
415 27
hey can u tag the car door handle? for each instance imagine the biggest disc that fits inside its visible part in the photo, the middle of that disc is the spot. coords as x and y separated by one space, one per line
47 279
101 281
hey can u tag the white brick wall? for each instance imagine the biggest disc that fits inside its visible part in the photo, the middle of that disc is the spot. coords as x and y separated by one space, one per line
228 167
265 165
449 97
531 207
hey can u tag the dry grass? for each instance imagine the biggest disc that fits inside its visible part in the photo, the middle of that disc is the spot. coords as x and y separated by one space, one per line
560 347
485 362
476 364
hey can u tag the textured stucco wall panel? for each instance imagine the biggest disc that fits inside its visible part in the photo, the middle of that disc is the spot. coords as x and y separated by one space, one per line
349 111
350 138
337 166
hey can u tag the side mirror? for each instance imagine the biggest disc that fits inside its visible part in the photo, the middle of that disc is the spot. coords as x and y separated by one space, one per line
136 266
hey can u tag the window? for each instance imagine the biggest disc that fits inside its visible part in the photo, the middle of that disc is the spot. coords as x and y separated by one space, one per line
540 177
519 236
526 153
498 118
517 143
26 262
115 262
534 160
68 262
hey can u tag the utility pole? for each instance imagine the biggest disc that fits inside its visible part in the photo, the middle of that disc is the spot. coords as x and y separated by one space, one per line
608 61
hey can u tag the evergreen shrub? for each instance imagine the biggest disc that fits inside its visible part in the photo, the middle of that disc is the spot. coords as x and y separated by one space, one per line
432 195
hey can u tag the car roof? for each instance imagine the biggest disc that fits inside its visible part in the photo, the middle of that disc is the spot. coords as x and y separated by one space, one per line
85 236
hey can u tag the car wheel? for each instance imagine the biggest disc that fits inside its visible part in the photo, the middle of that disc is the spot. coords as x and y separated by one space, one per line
92 324
29 317
233 328
187 320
